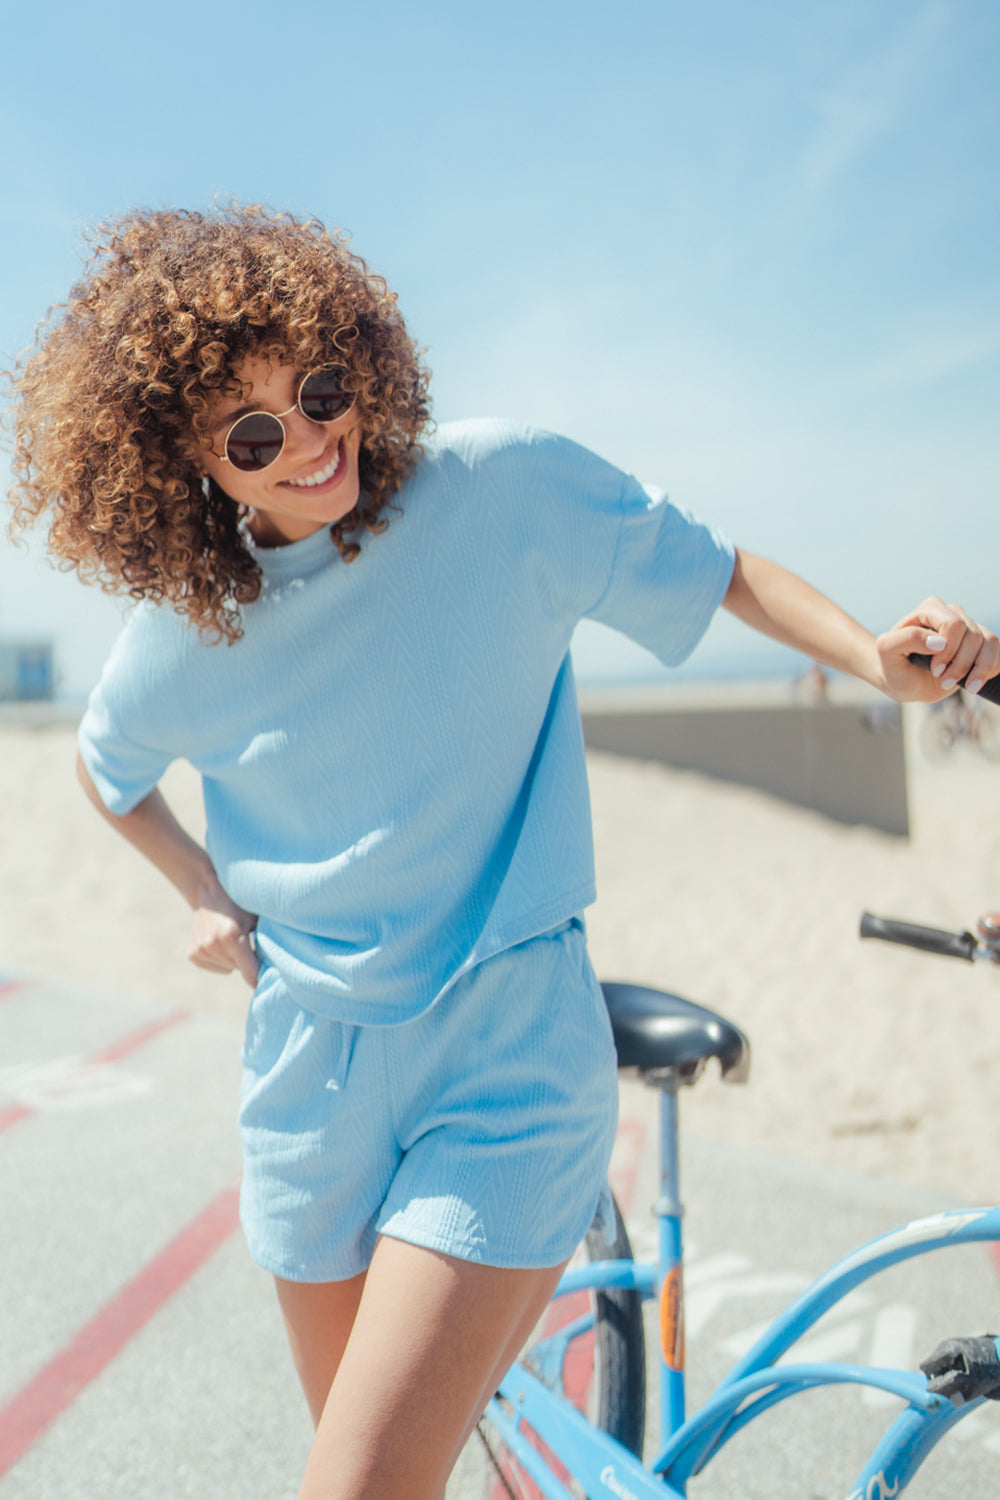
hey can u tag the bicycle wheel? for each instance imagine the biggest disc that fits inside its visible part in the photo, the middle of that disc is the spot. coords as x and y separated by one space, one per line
600 1366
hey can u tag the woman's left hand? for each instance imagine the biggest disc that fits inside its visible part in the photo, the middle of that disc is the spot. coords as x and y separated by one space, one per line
958 647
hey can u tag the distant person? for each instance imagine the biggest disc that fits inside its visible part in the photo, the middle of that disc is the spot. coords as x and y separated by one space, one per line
812 686
357 629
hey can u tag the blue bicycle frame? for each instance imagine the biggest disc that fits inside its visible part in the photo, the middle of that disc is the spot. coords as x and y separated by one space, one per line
756 1384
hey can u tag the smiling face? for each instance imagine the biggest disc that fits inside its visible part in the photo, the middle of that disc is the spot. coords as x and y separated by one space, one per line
313 483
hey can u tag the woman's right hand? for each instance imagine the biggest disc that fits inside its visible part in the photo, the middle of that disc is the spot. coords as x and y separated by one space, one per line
220 939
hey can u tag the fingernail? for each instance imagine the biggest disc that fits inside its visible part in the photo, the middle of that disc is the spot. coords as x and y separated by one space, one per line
936 643
974 685
948 684
936 671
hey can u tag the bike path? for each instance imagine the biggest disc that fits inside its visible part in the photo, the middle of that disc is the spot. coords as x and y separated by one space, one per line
141 1352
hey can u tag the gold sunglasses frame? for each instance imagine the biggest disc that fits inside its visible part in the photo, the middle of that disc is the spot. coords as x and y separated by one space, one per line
278 416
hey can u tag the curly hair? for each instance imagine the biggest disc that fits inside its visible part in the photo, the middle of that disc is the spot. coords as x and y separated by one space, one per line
111 407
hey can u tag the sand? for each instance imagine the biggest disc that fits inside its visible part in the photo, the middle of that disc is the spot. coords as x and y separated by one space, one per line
865 1056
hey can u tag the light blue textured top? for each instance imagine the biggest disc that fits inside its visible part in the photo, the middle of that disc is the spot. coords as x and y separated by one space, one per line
391 756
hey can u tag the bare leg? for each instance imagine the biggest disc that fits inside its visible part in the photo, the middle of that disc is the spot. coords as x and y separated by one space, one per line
318 1320
430 1338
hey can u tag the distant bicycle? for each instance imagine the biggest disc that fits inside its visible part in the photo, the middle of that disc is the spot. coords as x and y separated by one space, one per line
960 717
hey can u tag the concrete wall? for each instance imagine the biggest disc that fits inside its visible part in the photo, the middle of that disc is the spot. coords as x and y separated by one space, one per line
845 760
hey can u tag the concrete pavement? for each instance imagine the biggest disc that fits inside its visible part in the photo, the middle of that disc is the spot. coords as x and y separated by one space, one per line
142 1354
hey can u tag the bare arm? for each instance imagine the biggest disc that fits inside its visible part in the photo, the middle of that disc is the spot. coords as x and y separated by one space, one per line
221 936
781 605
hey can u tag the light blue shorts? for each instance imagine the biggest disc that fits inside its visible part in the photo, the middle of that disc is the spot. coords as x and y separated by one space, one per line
483 1129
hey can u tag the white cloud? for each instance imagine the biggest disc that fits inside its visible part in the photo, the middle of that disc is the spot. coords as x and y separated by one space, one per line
870 99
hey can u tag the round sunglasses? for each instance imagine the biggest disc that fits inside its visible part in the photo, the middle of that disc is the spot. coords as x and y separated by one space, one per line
256 439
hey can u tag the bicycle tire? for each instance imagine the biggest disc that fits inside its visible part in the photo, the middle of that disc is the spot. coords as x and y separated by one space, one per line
603 1372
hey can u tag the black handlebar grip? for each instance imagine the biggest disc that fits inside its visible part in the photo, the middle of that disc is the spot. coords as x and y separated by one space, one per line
990 690
927 939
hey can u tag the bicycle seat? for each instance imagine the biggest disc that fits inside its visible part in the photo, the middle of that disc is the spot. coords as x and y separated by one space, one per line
655 1032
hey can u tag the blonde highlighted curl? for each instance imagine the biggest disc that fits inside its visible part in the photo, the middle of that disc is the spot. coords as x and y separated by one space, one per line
111 407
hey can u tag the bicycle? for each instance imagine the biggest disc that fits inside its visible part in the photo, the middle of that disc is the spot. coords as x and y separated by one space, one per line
956 719
961 716
568 1419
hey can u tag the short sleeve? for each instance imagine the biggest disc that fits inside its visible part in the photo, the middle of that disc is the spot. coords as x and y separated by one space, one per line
609 549
118 736
669 575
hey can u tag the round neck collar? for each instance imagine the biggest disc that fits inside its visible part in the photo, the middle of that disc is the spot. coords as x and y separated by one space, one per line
294 558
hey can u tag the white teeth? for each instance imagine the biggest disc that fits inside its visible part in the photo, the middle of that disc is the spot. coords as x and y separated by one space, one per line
321 475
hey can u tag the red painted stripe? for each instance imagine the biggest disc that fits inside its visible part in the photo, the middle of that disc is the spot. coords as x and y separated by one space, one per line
624 1168
114 1052
13 1115
10 986
136 1039
56 1387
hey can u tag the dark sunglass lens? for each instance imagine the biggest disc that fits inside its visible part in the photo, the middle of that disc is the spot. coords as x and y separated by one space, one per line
322 397
254 442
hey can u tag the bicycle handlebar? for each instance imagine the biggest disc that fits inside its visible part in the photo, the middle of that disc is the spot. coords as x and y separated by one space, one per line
990 690
928 939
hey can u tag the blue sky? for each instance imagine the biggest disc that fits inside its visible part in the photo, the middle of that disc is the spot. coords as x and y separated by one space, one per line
748 252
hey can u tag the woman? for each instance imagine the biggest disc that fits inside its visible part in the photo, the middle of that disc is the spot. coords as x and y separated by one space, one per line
358 634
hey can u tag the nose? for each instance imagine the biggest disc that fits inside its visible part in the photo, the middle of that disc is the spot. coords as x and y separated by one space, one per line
304 437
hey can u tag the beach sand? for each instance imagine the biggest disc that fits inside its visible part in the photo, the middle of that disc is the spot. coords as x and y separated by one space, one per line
865 1056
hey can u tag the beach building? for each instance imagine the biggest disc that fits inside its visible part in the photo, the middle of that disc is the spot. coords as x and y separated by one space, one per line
26 670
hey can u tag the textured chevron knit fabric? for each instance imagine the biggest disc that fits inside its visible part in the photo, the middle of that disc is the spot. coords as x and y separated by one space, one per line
391 756
483 1129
